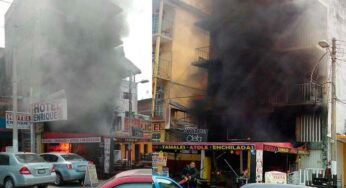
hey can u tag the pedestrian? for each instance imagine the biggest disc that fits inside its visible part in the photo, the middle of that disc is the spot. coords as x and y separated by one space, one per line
189 175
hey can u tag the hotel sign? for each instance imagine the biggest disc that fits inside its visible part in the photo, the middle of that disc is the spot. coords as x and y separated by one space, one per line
205 147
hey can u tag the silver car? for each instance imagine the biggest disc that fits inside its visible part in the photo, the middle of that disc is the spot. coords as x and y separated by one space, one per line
25 169
68 166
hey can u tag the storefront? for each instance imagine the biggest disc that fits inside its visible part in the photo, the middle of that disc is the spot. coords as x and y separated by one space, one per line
92 147
227 162
132 150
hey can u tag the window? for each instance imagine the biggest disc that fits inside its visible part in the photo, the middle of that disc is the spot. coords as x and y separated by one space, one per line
165 183
134 185
4 160
126 95
145 148
72 157
50 158
29 158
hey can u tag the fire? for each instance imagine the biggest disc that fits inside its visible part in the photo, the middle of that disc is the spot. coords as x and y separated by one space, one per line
61 147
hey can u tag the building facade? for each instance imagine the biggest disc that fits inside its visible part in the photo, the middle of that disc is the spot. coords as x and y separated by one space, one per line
175 82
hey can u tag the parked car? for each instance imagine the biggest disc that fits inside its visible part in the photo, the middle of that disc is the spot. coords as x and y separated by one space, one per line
264 185
140 178
68 166
25 169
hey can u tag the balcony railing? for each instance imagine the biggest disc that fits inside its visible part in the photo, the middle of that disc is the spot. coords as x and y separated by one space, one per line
203 57
299 94
166 26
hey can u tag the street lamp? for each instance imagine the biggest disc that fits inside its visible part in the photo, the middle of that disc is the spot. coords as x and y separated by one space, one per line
333 141
323 44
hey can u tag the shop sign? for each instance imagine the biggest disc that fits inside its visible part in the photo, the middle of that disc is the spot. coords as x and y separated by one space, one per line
50 111
72 140
159 160
259 165
23 120
284 150
277 149
206 147
275 177
90 177
107 152
195 135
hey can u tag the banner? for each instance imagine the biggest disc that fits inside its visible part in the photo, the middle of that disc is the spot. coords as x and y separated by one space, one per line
72 140
23 120
49 111
275 177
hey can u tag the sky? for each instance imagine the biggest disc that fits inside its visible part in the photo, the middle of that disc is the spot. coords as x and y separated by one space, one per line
137 44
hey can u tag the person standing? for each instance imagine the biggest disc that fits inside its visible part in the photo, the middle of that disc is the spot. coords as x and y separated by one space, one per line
189 175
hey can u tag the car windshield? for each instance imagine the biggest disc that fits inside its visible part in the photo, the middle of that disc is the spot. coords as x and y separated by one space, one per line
29 158
72 157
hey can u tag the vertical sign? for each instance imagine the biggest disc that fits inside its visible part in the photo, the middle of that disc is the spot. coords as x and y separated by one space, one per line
259 165
107 149
23 120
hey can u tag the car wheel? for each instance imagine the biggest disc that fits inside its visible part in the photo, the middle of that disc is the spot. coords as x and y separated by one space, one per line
42 186
58 179
81 182
9 183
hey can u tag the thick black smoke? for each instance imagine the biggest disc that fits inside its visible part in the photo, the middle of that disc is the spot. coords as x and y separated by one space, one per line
255 52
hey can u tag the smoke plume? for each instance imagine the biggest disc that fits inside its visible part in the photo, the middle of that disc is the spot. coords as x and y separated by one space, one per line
258 49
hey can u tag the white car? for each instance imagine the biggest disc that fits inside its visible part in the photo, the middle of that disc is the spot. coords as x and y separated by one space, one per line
25 169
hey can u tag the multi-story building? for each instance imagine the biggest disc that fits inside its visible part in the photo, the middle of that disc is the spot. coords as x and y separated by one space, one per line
75 48
131 130
268 80
175 82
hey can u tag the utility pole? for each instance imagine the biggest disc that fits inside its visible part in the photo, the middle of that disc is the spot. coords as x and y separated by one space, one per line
14 102
157 56
333 113
130 105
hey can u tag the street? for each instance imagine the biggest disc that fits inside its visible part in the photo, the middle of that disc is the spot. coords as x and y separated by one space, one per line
74 184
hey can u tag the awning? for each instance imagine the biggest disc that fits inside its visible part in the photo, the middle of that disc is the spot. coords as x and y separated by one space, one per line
279 147
178 106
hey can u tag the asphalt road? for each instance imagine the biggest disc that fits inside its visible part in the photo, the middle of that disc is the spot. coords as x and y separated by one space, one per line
73 185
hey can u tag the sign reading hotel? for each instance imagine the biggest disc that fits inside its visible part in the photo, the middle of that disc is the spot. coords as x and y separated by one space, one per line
206 147
23 120
49 111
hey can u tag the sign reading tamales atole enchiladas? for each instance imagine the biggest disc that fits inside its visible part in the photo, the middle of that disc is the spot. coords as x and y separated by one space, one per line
205 147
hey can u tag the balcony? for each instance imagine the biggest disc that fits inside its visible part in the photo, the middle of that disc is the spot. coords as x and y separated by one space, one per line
299 94
203 57
166 28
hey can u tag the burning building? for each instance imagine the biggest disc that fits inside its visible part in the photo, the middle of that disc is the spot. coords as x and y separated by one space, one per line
72 51
267 76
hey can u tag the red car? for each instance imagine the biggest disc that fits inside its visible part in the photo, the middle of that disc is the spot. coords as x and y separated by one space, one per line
140 178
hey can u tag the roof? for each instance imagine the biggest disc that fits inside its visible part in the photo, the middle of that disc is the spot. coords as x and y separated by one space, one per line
137 172
128 179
